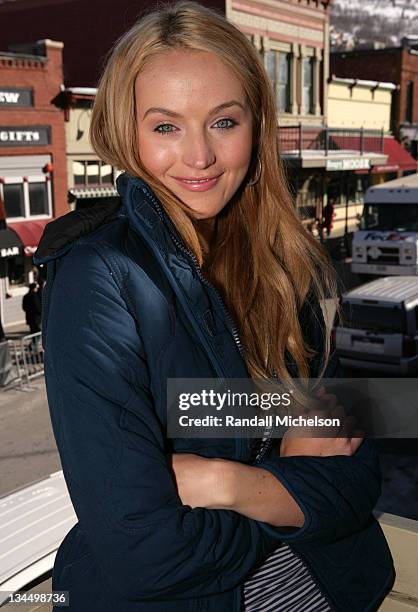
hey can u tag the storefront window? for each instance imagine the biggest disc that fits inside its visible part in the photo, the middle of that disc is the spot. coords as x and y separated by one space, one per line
14 200
38 198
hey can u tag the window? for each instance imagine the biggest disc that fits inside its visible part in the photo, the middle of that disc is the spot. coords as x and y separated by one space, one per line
106 174
270 64
390 217
14 200
409 101
38 198
283 83
93 173
79 173
277 65
389 319
307 85
27 198
88 173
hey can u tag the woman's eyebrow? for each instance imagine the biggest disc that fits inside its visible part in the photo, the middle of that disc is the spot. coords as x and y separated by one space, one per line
170 113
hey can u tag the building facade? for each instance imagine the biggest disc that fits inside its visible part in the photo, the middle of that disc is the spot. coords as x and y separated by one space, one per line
87 29
399 66
293 38
366 105
89 179
354 103
33 173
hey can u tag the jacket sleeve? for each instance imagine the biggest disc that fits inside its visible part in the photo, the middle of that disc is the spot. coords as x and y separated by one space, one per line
336 494
145 542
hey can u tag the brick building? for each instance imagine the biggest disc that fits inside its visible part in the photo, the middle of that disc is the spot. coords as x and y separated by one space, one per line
87 29
292 35
33 173
398 65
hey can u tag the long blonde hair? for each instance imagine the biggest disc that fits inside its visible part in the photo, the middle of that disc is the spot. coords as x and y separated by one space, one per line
263 262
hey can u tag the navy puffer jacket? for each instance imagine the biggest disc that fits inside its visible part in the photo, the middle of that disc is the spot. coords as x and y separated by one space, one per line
125 308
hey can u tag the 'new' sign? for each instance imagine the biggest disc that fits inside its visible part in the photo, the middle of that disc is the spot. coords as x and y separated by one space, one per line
16 96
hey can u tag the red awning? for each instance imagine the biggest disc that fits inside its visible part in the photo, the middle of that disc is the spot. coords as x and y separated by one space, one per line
398 157
30 233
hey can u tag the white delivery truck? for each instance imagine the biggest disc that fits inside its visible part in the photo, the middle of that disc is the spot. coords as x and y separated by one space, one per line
387 242
379 326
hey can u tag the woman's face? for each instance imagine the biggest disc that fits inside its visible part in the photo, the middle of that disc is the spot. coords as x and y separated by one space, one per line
194 122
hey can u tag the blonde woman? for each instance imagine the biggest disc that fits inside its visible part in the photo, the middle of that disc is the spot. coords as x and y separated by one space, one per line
203 271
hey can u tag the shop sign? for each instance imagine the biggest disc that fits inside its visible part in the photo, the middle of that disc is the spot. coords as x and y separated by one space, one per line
28 136
409 132
362 163
30 250
9 252
15 97
393 168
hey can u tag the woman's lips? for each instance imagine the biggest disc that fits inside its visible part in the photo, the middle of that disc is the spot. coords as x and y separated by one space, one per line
202 185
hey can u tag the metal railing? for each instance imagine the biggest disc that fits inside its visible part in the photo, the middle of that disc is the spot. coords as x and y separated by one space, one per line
295 140
22 361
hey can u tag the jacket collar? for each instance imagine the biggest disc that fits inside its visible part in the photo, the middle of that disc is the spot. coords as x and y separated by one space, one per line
139 204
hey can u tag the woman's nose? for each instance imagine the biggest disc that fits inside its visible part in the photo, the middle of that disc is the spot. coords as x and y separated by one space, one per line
198 152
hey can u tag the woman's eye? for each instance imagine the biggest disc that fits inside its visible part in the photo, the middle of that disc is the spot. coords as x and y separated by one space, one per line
224 125
163 129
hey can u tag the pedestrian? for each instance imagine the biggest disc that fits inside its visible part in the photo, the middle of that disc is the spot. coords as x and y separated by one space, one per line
328 216
203 271
32 308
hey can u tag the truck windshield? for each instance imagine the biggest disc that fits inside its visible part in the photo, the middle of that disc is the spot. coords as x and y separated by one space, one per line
374 318
390 217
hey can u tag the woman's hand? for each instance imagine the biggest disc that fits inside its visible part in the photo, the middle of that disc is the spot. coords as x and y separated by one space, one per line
305 441
201 482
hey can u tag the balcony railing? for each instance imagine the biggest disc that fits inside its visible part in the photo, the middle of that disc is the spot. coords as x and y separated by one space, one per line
295 140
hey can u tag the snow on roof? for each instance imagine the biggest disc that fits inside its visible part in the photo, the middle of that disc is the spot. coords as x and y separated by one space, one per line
363 83
82 91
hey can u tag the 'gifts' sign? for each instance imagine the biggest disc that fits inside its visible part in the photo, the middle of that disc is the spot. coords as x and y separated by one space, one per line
25 136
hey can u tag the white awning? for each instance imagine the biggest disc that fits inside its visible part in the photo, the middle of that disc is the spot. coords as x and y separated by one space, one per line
94 192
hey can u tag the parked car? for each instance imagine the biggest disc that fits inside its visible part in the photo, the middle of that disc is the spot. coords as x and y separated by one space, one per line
379 326
33 522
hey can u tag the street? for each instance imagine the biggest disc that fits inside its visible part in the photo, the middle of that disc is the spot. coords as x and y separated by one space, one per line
27 446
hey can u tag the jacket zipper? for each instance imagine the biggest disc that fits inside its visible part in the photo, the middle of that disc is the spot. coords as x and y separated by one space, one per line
164 217
266 442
